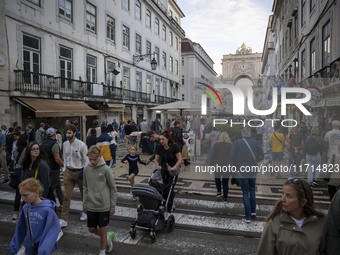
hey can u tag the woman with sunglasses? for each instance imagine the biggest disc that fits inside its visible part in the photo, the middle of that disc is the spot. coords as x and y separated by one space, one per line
294 226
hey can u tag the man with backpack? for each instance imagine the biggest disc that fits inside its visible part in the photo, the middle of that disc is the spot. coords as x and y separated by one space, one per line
314 145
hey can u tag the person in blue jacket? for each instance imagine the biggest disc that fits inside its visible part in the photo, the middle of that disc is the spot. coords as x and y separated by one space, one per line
39 214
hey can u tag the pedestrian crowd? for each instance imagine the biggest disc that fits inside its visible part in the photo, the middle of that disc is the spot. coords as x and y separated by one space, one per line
32 162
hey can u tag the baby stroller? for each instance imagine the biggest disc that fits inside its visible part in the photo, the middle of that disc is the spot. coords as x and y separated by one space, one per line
152 212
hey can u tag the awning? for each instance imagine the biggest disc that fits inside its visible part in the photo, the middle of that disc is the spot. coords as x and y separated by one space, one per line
115 107
56 108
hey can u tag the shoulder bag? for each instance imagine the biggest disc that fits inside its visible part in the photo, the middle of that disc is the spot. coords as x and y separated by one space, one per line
34 246
257 159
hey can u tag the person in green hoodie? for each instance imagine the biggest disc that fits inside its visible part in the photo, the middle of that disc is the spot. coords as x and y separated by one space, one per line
100 197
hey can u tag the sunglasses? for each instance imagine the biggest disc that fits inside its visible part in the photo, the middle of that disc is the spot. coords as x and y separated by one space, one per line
297 181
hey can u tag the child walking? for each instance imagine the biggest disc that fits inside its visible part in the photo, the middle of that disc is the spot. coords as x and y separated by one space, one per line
38 225
100 196
132 158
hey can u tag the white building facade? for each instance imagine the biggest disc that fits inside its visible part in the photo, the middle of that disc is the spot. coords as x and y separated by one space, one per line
96 53
197 67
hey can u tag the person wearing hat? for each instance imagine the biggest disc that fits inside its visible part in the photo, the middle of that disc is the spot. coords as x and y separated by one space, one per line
52 149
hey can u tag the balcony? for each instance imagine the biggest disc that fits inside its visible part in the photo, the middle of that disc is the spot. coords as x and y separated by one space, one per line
49 86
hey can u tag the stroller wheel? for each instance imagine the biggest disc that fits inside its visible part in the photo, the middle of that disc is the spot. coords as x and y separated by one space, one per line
170 223
152 236
133 233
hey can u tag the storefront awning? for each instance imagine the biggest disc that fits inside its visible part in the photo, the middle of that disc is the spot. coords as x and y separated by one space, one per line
56 108
115 107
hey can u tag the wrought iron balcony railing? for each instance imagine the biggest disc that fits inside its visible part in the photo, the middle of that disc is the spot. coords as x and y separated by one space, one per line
43 84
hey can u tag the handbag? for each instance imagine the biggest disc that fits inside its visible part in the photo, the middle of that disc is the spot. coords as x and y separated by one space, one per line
34 246
15 178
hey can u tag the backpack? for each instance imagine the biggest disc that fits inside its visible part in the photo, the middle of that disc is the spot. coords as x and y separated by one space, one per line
311 146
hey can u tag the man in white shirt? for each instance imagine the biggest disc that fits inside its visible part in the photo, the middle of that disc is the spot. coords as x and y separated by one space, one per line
332 139
75 159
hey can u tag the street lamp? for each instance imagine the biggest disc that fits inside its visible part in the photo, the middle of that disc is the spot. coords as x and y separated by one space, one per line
138 58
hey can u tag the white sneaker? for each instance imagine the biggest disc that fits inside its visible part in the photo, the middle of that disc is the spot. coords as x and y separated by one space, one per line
63 223
83 216
61 233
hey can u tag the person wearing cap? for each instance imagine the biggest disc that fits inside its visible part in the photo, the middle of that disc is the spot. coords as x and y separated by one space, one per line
52 149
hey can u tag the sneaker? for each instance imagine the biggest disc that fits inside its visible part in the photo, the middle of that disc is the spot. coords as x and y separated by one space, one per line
15 215
5 180
225 199
218 194
83 216
61 233
253 215
315 183
110 239
246 221
63 223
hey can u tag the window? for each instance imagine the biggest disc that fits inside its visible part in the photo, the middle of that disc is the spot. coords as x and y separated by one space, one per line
182 61
110 28
139 86
176 66
111 77
312 5
138 10
91 68
157 88
31 58
148 49
90 17
138 44
66 65
171 64
171 39
164 32
312 56
156 26
126 78
303 64
148 18
176 42
326 44
148 84
157 54
126 37
164 60
65 9
126 4
303 12
36 2
296 27
165 91
182 79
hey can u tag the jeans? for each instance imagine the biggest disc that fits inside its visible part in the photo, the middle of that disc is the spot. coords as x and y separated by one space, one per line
295 159
3 163
70 180
314 162
17 200
167 182
225 185
56 185
249 199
